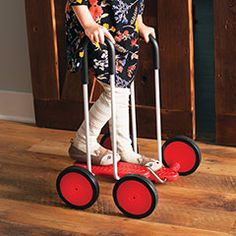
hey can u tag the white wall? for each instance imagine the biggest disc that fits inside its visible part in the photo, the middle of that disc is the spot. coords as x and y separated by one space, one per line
15 77
14 55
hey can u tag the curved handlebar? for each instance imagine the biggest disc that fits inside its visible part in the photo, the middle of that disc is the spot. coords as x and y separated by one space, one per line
156 52
112 55
85 73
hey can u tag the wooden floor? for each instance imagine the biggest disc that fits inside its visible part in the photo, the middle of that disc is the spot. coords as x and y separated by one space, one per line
31 158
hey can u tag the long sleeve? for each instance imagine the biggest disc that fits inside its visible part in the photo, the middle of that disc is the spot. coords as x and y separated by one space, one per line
141 7
77 2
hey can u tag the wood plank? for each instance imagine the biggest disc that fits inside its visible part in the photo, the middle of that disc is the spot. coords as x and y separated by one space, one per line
59 141
11 229
195 204
54 114
43 57
216 199
176 53
144 81
59 15
194 209
233 231
172 122
50 147
225 72
51 81
212 164
190 215
177 93
31 158
77 221
212 161
221 182
226 129
30 130
204 69
62 114
177 70
72 88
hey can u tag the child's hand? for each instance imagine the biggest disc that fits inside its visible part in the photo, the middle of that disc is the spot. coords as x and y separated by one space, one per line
94 31
97 33
145 31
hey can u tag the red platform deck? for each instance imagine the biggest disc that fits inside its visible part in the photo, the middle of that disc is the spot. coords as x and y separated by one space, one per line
170 174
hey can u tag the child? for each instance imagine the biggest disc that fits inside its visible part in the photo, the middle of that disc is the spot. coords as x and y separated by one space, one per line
121 22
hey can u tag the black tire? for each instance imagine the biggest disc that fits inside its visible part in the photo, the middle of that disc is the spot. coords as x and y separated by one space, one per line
134 197
191 144
90 181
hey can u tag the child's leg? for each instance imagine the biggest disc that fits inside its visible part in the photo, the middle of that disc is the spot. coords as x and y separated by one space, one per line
124 142
100 113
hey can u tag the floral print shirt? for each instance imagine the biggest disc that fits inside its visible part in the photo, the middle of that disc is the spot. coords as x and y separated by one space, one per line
120 18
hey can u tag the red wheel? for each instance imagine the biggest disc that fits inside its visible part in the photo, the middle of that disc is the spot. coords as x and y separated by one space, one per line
77 187
135 196
184 151
106 141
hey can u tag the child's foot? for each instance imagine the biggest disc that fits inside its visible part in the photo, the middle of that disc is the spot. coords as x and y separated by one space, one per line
142 160
154 164
100 156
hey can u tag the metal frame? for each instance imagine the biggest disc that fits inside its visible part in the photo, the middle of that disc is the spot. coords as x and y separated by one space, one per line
158 114
133 116
112 71
156 59
86 115
113 114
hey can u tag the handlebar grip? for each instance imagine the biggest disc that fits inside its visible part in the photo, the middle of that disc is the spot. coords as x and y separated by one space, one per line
85 71
156 52
111 58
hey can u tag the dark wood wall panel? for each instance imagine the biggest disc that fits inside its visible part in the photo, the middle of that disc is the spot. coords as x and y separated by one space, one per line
64 114
51 81
175 47
172 123
204 69
225 70
61 42
43 49
70 83
172 20
144 82
175 35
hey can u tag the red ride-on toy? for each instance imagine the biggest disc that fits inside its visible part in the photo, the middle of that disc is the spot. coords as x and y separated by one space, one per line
134 192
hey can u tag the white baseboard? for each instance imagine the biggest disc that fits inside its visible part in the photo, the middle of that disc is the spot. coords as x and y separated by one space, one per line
17 106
